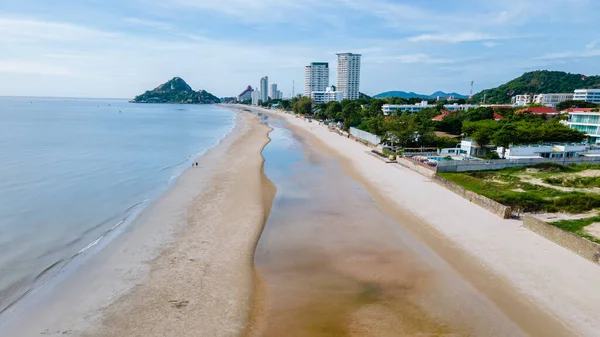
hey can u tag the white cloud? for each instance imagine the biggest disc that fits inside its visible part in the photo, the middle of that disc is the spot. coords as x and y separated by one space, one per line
592 44
451 38
409 59
16 29
570 54
148 23
490 44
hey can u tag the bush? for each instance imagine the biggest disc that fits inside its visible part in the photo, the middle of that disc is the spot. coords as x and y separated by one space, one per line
528 202
577 202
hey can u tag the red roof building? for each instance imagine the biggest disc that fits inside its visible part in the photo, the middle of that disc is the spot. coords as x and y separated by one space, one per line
577 110
538 111
498 117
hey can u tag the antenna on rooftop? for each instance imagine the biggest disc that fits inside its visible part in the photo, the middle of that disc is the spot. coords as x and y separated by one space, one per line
471 92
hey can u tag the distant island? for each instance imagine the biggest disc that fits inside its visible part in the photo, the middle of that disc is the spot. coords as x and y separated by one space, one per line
408 95
176 91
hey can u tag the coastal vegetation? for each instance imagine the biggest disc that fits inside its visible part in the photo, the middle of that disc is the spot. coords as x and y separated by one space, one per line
537 82
500 126
539 188
176 91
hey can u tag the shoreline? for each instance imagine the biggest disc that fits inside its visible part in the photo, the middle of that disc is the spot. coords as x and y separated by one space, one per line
80 304
202 283
553 288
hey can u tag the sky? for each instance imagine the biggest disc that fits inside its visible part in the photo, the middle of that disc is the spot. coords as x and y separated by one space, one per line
120 48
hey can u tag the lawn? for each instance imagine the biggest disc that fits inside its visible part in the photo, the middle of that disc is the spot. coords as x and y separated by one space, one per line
512 187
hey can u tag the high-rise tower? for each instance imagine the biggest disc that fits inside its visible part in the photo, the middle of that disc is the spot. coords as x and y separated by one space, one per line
348 75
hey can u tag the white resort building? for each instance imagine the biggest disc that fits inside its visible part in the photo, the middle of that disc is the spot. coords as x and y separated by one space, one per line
348 75
316 77
549 100
390 108
329 95
588 95
586 121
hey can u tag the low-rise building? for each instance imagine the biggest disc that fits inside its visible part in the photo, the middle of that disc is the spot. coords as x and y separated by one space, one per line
587 121
329 95
549 100
471 148
534 151
588 95
522 100
390 108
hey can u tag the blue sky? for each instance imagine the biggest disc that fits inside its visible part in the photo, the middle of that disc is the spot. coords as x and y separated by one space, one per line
119 48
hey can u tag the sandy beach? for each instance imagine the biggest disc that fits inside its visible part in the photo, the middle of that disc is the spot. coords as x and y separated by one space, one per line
185 268
542 287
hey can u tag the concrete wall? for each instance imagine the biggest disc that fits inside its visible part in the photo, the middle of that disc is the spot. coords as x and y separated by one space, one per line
482 165
572 242
487 203
415 167
363 135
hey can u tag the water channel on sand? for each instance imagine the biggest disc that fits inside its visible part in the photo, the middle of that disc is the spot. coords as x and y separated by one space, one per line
333 264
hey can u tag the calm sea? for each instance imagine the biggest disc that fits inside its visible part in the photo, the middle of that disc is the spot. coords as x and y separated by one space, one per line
73 170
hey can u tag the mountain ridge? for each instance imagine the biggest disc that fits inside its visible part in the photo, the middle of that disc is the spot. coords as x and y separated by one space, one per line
407 95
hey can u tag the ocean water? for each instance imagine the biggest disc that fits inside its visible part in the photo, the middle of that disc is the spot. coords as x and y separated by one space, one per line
73 171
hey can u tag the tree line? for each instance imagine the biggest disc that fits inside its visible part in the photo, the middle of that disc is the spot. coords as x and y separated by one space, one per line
407 130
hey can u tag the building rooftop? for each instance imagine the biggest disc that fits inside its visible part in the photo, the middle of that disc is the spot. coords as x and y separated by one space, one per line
249 89
578 110
538 111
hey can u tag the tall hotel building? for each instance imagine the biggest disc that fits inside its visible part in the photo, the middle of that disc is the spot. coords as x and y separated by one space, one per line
316 77
264 89
348 75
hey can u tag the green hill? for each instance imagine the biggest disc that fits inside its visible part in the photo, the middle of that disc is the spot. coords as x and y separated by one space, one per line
176 91
538 82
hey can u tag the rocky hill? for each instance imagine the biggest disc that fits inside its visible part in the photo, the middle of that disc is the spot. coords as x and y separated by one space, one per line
538 82
176 91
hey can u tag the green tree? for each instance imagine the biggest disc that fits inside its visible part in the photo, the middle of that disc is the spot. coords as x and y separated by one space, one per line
400 130
450 125
351 114
575 104
332 110
505 136
481 131
303 106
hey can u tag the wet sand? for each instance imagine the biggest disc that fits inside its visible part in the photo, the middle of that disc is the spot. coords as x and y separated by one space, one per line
333 264
542 288
184 268
202 284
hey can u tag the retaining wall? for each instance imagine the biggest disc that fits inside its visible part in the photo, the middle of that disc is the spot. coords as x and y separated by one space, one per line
572 242
487 203
483 165
416 167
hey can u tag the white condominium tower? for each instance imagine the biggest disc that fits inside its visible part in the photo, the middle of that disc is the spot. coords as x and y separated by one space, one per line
273 92
264 89
348 75
316 77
